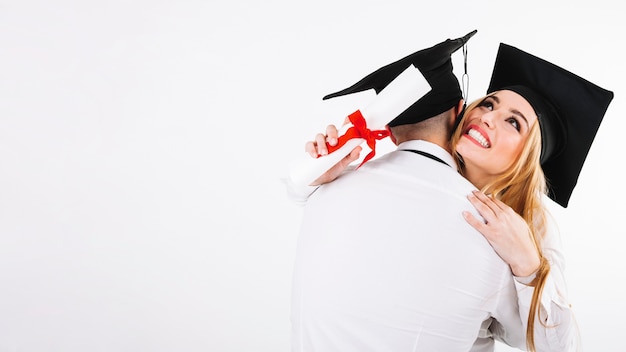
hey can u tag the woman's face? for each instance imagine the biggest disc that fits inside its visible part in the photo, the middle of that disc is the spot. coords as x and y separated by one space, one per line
494 134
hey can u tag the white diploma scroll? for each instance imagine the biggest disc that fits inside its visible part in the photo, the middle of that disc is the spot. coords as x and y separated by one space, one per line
390 102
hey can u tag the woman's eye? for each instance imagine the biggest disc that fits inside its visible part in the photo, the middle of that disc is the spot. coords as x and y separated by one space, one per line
514 122
487 104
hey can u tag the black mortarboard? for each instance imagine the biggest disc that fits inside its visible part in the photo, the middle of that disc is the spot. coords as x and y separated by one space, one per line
569 108
436 66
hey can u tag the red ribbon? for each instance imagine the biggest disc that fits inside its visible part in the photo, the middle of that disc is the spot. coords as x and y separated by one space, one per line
359 130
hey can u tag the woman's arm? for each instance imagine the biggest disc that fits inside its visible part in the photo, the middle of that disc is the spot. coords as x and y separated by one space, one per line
555 328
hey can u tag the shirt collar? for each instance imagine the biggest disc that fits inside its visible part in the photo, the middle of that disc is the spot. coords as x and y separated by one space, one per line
430 148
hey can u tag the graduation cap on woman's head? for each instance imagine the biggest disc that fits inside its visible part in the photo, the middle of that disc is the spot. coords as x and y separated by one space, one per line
435 65
569 109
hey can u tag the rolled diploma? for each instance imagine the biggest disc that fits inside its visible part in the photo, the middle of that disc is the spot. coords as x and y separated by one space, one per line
390 102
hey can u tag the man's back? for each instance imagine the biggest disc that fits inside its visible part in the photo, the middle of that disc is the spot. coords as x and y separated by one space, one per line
386 262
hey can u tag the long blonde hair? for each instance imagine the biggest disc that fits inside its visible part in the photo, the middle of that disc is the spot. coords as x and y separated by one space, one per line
522 187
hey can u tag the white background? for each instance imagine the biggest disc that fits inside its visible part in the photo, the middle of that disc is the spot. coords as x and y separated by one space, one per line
142 145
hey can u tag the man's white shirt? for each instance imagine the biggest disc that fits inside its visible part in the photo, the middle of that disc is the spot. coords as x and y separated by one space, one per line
386 262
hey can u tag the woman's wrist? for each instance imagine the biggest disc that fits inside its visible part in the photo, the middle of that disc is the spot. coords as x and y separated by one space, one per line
527 268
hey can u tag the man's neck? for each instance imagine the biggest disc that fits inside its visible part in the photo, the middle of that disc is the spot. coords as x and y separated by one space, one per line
442 142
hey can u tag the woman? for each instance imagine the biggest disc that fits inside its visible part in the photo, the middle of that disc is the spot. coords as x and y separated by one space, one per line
498 152
513 146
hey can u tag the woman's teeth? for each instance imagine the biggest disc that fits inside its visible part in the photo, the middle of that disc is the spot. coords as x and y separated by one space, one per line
478 137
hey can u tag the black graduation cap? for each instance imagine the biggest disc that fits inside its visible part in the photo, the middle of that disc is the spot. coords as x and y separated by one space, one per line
436 66
569 109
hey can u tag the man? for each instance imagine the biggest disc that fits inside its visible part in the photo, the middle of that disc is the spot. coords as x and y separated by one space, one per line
385 261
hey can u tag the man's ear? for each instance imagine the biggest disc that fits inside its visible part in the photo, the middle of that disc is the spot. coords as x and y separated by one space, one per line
458 109
460 106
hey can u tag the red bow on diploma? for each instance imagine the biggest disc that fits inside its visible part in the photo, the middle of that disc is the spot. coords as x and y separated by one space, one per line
359 130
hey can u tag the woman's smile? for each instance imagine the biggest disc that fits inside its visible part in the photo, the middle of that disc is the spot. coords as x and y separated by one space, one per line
478 136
